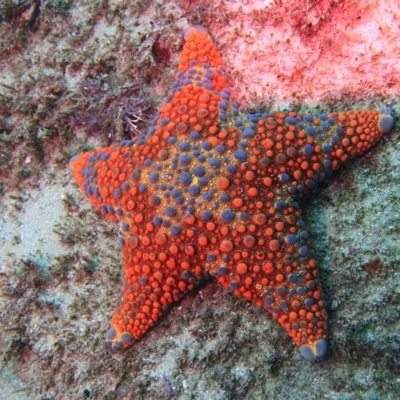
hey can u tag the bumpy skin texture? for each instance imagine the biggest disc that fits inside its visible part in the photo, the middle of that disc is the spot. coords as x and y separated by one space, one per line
212 190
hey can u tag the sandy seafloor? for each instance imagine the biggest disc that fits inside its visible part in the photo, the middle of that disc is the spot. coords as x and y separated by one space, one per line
67 70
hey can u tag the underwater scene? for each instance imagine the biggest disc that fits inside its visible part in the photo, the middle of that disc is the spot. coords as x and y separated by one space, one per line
199 199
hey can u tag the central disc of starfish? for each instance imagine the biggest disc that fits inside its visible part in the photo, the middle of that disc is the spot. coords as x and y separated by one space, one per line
212 191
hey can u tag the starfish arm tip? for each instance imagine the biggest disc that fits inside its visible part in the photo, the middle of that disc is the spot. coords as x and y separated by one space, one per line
386 120
199 55
195 30
314 351
117 341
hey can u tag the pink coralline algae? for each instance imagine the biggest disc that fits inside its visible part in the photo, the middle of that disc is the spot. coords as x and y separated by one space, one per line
286 52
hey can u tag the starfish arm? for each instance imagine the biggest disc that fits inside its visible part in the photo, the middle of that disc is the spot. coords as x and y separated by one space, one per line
268 259
108 178
295 151
154 277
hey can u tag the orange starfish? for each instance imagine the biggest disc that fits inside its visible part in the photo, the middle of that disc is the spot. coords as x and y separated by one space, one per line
211 190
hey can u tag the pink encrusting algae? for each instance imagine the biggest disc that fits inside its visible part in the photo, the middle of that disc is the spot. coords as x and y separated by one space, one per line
292 52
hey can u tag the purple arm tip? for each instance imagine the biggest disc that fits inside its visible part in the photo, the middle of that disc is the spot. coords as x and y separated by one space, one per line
315 351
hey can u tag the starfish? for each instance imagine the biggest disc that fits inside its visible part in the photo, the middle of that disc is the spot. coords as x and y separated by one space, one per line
212 191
